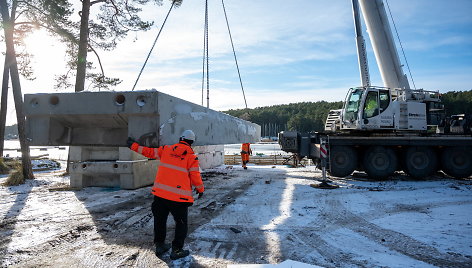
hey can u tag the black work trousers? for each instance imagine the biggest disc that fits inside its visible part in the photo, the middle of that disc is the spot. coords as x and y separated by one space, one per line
179 210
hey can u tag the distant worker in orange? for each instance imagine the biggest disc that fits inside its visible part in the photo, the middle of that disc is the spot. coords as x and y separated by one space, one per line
245 152
178 172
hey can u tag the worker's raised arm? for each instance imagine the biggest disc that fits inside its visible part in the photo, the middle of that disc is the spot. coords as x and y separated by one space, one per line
148 152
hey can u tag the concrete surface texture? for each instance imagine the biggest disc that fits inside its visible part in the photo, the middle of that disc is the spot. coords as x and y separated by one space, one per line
108 118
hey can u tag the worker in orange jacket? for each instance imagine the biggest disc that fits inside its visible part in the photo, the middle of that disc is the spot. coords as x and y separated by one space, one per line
178 171
245 152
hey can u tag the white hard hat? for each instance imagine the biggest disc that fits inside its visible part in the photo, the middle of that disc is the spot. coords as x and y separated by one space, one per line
188 135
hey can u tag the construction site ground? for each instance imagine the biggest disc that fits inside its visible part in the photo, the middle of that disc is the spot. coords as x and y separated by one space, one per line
263 215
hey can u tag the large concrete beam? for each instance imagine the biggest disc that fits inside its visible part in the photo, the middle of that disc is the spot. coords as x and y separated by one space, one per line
108 118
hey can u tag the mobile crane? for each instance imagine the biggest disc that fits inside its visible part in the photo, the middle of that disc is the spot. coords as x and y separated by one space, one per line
384 129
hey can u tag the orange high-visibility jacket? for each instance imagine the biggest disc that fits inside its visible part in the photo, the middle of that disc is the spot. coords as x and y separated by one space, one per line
177 172
245 151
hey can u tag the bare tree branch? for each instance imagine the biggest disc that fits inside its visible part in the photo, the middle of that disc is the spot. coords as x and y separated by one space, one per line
98 58
97 1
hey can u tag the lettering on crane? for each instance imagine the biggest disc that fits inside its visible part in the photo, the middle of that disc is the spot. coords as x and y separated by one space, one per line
416 115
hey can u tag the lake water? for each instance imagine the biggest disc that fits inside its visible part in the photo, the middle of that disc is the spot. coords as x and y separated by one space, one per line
12 149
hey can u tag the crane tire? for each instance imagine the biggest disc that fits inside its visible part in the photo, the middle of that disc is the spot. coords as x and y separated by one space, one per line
380 162
420 161
343 160
457 161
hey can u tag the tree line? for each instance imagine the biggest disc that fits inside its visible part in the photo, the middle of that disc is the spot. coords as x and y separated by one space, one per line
311 116
302 116
457 102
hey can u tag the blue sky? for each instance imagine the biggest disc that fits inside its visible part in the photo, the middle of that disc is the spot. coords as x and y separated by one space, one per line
288 51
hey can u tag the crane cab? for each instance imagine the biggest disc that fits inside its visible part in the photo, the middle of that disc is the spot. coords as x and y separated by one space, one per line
376 108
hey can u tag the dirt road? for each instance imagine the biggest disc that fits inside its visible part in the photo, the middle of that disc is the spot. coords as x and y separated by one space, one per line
259 215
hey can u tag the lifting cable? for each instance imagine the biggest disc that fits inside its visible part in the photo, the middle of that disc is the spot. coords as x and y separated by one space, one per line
205 64
234 53
153 45
401 45
206 58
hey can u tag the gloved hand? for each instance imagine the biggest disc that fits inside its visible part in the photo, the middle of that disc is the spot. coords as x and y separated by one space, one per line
199 194
130 142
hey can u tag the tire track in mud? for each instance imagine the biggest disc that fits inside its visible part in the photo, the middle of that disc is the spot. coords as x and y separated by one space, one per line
243 247
206 211
329 256
337 216
250 246
233 242
60 244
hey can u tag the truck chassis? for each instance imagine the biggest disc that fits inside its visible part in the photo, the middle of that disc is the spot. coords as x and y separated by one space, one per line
380 155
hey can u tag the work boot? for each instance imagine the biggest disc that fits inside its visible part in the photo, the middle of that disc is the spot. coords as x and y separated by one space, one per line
162 248
245 167
179 253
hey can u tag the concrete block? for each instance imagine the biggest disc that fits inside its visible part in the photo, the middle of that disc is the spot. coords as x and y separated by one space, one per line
88 153
123 174
210 156
78 181
121 167
125 153
144 173
108 118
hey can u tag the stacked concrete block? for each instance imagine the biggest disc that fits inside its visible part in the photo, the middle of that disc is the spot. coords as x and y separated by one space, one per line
110 167
123 168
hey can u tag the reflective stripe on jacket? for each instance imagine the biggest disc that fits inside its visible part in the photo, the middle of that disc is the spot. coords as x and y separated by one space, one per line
178 171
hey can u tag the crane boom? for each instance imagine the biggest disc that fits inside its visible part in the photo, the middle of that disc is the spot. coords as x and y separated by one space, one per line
360 42
383 44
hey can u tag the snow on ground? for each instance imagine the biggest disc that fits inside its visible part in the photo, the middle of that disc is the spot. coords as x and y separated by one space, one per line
263 215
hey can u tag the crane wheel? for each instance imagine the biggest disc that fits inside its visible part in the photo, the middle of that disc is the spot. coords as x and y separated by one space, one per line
343 161
457 161
380 162
420 161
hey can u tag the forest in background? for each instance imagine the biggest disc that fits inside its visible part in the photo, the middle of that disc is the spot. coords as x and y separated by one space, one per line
311 116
